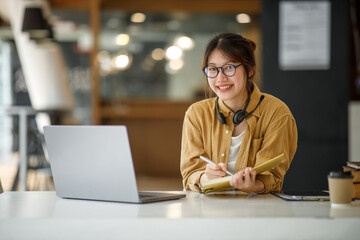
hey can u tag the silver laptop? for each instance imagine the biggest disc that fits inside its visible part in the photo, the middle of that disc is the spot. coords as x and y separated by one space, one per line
95 163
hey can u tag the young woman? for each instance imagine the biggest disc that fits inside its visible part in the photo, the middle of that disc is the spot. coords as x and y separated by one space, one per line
239 128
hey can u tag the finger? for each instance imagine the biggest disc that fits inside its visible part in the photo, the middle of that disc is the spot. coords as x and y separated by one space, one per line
237 180
253 174
222 166
241 174
213 167
234 181
247 177
214 172
218 168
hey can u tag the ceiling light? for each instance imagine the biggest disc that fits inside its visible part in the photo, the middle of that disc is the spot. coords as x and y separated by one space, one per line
185 43
122 61
138 18
122 39
176 64
158 54
243 18
174 52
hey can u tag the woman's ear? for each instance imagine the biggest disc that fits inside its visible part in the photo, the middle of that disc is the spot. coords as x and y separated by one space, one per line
251 72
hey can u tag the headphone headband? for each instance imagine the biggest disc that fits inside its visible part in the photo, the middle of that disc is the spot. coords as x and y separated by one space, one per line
240 115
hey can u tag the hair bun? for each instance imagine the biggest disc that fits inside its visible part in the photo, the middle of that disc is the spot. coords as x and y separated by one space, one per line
252 44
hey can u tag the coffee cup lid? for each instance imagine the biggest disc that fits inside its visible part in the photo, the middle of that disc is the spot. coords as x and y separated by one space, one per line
340 174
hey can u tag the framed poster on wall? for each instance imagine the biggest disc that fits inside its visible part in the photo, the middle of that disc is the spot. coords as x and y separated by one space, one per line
304 35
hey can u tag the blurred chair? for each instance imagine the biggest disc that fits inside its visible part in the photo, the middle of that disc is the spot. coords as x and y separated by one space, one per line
40 172
38 175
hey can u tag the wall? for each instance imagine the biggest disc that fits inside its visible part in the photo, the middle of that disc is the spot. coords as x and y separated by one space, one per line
318 99
354 131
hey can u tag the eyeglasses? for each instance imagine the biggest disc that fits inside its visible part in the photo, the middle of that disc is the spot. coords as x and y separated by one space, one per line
228 70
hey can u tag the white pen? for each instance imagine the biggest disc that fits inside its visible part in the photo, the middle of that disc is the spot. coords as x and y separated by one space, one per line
209 161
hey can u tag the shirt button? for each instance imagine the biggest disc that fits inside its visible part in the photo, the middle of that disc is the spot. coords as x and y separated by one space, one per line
222 154
227 131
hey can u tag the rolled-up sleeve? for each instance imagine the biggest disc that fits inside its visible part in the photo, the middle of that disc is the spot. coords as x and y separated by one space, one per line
280 137
191 148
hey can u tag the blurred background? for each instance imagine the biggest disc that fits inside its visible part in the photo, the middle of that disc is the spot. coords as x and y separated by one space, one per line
138 63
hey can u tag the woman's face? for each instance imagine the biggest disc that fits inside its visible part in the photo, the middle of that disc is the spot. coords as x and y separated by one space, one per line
231 90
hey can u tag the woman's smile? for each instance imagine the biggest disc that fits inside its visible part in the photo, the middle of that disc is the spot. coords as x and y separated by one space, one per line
224 88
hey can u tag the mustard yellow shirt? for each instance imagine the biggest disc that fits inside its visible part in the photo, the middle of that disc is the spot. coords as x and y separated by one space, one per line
271 130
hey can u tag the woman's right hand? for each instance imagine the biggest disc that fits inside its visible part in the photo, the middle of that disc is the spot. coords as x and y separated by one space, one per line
213 171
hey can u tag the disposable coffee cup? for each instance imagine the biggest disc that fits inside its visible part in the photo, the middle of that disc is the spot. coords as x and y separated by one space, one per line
343 212
340 187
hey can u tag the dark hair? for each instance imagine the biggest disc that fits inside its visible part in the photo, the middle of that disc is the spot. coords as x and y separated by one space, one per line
237 49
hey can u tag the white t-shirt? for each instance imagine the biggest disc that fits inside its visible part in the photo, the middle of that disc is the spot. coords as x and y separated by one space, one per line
234 151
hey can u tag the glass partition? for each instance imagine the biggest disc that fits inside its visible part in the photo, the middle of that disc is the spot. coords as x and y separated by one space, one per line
143 55
158 55
147 55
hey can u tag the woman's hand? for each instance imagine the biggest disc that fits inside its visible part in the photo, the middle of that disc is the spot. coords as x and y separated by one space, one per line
245 180
213 171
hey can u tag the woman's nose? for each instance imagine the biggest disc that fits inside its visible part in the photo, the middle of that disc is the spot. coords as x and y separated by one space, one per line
221 76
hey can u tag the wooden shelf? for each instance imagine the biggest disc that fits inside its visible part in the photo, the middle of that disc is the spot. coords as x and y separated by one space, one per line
154 128
143 109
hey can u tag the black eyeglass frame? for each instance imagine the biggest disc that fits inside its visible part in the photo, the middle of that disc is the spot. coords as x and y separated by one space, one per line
222 70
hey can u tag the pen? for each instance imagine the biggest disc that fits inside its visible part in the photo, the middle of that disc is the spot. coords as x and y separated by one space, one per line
209 161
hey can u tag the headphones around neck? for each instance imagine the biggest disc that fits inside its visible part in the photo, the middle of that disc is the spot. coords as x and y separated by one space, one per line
240 115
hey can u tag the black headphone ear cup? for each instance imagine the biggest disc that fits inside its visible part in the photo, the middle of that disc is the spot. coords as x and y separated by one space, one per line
239 116
220 116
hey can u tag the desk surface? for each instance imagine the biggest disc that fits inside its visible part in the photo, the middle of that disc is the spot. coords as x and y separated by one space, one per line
42 215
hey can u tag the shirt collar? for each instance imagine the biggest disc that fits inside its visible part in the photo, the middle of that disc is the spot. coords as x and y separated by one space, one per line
254 100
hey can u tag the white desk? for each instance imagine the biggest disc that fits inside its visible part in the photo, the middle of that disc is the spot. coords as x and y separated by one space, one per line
42 215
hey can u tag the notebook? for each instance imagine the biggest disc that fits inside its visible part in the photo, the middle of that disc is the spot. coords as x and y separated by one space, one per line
95 163
220 184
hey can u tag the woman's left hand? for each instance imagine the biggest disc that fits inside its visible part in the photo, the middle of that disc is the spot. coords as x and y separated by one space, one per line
245 180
